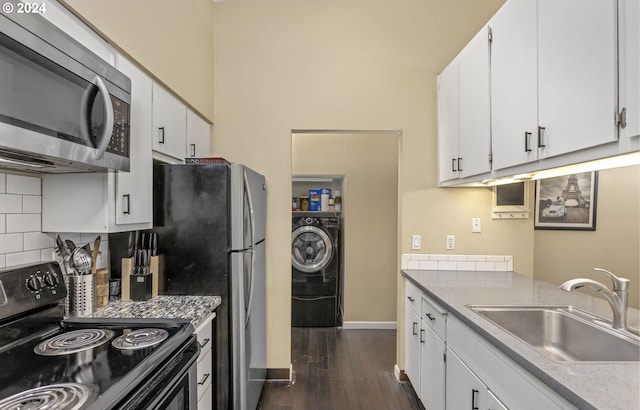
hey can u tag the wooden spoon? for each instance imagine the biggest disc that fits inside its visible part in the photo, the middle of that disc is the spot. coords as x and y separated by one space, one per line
94 255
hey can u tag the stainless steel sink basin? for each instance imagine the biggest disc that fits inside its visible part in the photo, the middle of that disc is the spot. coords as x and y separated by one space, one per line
564 333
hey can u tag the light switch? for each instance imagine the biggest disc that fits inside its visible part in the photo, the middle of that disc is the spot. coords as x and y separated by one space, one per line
415 241
475 225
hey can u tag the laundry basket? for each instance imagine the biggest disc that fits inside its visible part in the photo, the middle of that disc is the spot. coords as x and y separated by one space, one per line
80 300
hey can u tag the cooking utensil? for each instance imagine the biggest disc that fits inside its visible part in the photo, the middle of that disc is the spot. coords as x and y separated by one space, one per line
81 261
70 245
94 255
61 248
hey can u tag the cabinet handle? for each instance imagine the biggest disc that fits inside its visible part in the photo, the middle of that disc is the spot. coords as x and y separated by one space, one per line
202 345
193 150
411 299
430 317
459 164
527 139
161 135
540 134
204 379
415 333
126 200
421 334
453 164
474 399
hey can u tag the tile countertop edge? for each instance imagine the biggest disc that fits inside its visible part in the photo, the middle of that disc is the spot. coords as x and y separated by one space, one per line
549 380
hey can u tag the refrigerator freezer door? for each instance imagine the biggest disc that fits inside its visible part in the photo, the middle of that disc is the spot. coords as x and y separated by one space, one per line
249 326
248 200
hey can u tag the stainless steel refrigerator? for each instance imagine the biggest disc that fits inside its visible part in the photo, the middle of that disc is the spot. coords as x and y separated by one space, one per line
210 221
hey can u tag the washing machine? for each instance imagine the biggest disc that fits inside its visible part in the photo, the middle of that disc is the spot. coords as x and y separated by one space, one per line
315 270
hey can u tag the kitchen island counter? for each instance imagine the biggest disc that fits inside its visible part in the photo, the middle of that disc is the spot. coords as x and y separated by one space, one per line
195 308
597 385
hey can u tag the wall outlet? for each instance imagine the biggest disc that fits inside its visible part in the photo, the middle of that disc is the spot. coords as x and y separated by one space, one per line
475 225
415 241
451 242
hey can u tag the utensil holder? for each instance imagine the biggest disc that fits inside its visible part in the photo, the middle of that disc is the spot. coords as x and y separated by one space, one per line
157 281
81 295
102 287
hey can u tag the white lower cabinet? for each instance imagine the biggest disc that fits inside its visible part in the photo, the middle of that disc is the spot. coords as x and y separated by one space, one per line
204 334
464 389
451 366
493 403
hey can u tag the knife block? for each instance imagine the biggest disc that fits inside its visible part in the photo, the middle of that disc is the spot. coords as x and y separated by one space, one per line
157 280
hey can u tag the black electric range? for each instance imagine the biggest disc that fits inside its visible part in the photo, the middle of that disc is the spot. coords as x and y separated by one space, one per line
87 363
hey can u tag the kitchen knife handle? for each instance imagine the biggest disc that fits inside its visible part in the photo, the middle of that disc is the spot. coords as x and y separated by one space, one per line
126 200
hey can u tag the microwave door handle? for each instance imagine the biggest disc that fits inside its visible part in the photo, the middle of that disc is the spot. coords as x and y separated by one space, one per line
108 125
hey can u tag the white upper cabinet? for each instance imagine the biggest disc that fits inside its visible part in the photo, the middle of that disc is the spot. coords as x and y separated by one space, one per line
464 119
169 124
198 136
448 126
577 74
514 84
134 193
629 37
474 106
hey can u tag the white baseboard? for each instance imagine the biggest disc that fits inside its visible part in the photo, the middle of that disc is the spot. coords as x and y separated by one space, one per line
396 372
370 325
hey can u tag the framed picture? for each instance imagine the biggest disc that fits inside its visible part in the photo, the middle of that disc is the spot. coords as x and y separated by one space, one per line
567 202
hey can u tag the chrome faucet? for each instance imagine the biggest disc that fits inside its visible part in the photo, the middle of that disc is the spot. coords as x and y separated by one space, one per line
617 296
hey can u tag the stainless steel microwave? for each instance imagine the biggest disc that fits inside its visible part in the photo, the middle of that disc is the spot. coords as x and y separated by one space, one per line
62 108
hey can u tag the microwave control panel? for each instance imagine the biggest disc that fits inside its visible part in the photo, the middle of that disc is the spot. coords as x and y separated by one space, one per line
119 143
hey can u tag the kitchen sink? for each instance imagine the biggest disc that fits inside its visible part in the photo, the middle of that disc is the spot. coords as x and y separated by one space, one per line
565 333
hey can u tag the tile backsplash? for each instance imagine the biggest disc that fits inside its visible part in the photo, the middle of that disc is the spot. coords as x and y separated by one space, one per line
21 238
477 263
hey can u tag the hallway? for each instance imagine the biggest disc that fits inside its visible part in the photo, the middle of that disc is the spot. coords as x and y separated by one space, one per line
338 369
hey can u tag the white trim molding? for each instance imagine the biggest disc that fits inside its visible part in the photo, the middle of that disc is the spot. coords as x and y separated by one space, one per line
370 325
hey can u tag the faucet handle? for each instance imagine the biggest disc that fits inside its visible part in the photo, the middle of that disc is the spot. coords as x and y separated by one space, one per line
618 282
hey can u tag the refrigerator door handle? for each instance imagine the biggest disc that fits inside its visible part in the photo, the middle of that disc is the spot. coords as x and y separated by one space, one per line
253 244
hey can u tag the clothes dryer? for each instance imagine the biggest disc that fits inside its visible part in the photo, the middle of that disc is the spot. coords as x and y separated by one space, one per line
315 270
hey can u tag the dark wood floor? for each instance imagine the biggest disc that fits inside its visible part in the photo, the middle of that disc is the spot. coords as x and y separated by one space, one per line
335 369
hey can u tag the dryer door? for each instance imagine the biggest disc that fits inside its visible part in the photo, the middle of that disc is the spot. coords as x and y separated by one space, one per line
311 249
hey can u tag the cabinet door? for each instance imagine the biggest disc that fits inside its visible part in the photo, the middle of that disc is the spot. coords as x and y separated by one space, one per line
432 351
577 68
448 127
412 348
493 403
474 106
629 26
169 123
464 389
134 196
514 84
198 136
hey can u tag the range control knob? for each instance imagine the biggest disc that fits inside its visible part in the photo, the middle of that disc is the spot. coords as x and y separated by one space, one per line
34 283
309 220
50 280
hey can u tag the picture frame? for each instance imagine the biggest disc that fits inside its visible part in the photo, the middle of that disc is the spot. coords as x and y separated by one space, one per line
567 202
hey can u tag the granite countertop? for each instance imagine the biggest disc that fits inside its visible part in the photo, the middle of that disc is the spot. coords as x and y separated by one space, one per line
585 385
195 308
